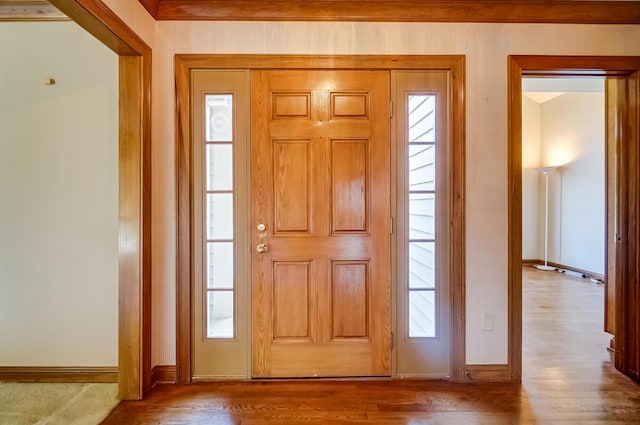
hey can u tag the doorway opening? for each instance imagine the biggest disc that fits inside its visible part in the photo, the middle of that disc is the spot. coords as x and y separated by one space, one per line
564 224
622 75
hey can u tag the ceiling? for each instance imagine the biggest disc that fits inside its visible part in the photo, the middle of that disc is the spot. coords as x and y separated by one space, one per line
29 10
542 97
541 90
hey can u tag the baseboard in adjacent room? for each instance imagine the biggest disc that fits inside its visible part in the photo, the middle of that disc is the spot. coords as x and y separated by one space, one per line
99 374
584 273
488 373
163 374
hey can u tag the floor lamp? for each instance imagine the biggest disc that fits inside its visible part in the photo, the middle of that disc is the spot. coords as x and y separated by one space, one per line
546 171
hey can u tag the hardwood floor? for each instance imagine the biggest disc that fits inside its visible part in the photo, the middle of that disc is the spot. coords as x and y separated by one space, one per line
567 379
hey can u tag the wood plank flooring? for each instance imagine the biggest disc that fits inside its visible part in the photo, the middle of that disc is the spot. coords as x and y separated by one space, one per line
567 379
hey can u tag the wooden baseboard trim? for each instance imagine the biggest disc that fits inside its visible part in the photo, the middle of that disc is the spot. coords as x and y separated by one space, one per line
585 273
488 373
101 374
163 374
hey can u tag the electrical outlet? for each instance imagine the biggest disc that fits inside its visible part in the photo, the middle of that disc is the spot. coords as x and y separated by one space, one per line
487 321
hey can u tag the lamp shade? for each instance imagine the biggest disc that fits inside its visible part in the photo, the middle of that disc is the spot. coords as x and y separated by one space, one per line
547 170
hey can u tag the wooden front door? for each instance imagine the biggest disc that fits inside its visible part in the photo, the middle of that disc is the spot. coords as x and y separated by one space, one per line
320 223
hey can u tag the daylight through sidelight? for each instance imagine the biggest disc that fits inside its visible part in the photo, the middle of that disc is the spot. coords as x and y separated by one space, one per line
422 197
220 287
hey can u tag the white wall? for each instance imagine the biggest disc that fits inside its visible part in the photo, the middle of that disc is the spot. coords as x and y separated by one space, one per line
573 134
530 178
486 47
58 197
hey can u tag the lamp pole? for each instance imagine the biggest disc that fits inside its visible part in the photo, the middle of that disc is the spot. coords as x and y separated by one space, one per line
546 171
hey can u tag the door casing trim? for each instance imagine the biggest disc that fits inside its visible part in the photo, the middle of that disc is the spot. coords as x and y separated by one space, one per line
565 66
183 66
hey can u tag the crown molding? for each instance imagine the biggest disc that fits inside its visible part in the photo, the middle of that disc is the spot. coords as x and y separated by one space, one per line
497 11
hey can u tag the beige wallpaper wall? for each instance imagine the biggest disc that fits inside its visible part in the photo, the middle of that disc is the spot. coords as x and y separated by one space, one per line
486 47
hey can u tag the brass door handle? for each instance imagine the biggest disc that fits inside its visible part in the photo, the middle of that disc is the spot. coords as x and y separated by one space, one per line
262 248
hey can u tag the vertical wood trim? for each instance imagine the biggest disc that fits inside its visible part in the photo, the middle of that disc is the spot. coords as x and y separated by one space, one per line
134 312
514 244
183 226
457 254
145 285
633 303
393 255
183 65
130 271
614 88
623 247
134 358
627 306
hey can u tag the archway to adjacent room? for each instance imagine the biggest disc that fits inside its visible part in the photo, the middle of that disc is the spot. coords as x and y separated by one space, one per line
134 309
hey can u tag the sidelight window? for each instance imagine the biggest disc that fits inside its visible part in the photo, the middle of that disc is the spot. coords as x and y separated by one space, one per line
421 151
220 287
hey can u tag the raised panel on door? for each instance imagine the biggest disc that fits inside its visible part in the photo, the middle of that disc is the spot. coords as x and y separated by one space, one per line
291 185
291 303
349 191
320 185
350 310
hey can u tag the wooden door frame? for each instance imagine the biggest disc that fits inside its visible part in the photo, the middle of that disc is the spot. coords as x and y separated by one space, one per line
134 282
627 263
183 66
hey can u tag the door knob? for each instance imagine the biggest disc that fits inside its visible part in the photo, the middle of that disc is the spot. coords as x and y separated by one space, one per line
262 248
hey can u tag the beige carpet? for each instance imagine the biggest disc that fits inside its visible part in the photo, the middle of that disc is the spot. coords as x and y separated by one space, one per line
56 404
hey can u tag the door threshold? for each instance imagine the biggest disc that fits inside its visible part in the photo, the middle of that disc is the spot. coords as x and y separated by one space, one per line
358 378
